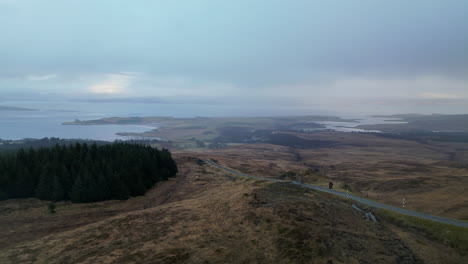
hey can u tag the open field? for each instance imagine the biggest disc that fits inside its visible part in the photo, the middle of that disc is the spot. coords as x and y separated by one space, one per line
431 177
207 216
429 170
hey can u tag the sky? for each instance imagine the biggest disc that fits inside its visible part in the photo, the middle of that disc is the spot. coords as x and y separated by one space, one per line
339 52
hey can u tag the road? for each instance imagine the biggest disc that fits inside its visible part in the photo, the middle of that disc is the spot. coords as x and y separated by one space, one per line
355 198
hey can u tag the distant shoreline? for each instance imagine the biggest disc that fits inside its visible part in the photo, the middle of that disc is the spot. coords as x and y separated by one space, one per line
162 119
14 108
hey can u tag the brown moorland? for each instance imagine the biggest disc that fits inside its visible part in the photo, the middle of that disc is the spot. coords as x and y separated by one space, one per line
208 216
431 176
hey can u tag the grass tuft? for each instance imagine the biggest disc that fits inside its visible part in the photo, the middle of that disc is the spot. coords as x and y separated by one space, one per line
454 236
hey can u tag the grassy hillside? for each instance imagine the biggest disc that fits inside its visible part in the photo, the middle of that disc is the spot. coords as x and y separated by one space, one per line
207 216
431 177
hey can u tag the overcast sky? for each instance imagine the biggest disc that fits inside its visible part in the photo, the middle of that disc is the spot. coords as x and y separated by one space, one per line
297 49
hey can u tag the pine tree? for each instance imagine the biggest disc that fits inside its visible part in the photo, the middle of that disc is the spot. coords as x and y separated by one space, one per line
91 189
77 191
58 191
25 184
51 206
119 190
44 187
103 188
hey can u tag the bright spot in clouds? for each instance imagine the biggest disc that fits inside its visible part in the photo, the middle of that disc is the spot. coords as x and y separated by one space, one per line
112 84
441 96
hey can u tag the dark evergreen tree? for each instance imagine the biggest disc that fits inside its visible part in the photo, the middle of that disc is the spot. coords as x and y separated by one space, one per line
44 187
51 206
77 193
119 190
83 173
104 191
58 192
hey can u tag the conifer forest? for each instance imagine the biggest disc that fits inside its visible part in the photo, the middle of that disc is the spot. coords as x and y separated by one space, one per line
84 173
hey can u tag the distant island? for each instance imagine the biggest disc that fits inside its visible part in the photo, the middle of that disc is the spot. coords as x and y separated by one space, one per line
427 123
109 121
214 131
13 108
226 120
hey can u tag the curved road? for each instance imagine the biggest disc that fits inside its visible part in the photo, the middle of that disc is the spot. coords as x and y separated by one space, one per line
355 198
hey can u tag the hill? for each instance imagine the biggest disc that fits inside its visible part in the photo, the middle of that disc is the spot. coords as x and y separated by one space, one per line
207 216
14 108
423 123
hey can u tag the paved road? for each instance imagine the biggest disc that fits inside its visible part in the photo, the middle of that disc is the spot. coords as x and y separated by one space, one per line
355 198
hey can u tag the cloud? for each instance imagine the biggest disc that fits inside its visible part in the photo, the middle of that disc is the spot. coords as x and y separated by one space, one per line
441 96
113 84
175 85
41 77
301 49
422 87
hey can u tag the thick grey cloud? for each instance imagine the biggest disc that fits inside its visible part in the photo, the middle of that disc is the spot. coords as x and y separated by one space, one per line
236 47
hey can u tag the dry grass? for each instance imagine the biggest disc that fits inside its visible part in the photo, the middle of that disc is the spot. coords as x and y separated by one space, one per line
382 169
207 216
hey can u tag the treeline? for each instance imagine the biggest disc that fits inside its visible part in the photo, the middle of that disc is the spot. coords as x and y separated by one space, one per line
14 145
84 173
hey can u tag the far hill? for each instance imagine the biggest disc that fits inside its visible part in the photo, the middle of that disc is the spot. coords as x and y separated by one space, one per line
13 108
424 123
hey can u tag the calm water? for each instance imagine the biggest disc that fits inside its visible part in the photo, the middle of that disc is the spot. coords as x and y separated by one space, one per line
19 125
47 120
361 120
